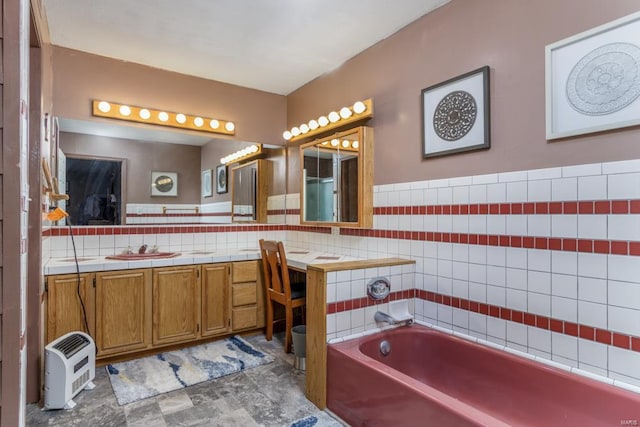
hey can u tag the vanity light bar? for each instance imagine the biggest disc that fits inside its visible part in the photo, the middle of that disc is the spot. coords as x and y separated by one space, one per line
340 144
113 110
244 154
358 111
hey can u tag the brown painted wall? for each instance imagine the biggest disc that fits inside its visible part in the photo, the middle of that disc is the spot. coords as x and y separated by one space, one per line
509 36
80 77
141 159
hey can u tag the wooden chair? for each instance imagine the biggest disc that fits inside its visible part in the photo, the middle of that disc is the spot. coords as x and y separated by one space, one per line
278 288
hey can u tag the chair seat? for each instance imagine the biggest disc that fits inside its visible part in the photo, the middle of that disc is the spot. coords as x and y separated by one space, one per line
298 290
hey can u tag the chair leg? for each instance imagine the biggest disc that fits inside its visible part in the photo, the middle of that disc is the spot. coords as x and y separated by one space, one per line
288 326
269 330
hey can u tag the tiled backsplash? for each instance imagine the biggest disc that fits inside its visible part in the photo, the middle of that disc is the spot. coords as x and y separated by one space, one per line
544 261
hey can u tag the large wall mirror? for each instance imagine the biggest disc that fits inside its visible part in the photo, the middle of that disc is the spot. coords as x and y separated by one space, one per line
101 193
337 179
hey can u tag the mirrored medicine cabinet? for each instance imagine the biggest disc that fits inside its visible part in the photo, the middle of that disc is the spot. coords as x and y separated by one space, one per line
337 179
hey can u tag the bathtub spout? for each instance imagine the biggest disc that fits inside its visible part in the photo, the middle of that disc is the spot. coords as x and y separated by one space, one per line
381 317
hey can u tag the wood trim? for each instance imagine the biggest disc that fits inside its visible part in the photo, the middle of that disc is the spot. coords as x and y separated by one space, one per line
365 154
316 378
354 265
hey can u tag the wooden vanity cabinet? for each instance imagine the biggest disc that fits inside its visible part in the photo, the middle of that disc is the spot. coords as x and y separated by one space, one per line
130 311
247 296
64 311
215 299
123 312
176 304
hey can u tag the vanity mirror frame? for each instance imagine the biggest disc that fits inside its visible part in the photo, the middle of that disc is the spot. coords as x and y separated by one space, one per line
364 154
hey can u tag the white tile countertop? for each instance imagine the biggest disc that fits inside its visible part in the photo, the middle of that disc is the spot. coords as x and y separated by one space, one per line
296 258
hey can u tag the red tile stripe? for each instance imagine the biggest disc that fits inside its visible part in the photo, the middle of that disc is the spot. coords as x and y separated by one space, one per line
591 333
598 207
181 228
353 304
614 247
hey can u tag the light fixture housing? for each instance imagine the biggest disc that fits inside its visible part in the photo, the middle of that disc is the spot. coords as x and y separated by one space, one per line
161 118
358 111
244 154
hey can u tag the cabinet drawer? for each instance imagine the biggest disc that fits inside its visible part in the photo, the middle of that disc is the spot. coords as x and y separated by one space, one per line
243 294
245 271
244 317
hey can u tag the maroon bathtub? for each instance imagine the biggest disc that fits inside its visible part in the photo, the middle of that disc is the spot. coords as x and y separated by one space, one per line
434 379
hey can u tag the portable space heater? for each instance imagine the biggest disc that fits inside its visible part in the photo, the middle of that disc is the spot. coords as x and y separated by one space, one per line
70 366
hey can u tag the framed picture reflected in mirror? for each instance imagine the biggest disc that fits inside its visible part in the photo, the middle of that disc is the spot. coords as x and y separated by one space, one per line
221 179
207 190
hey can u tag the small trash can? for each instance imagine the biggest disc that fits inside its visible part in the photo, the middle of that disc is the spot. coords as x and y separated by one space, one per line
299 335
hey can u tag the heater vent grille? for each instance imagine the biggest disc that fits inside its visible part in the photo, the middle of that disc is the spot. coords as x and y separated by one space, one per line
71 345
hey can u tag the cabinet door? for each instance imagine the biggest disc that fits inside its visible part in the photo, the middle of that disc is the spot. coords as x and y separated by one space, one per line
123 311
215 299
64 311
176 304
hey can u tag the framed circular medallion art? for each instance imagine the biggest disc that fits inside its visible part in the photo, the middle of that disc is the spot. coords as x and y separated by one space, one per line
221 179
164 184
593 80
455 115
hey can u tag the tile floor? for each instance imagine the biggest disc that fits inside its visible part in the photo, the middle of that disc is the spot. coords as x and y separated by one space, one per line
269 395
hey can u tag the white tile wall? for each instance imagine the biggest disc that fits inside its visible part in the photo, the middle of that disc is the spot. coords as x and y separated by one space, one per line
593 289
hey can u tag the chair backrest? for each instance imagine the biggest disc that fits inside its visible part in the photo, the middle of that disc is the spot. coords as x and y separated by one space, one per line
274 266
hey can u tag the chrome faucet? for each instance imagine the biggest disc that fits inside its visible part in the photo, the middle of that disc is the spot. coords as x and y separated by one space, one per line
384 317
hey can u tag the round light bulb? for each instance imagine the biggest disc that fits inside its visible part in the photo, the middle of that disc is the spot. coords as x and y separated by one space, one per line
214 124
295 131
162 116
104 106
254 148
355 144
229 126
198 121
287 135
304 128
144 114
334 117
325 142
181 118
313 124
125 110
335 142
345 143
345 112
359 107
323 121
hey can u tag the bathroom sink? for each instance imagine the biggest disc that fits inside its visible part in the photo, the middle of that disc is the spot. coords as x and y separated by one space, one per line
74 260
149 255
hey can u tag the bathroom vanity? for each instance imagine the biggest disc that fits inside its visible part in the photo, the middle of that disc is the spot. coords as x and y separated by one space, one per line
135 310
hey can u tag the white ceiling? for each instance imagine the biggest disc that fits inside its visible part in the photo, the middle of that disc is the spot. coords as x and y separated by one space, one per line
271 45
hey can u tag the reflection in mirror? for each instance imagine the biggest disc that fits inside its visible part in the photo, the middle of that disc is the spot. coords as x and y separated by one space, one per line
144 151
337 179
244 183
249 191
94 187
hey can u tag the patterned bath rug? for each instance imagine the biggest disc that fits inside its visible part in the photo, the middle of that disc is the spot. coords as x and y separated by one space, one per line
149 376
319 419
